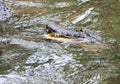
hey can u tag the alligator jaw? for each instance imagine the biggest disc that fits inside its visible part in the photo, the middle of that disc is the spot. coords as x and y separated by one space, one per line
65 39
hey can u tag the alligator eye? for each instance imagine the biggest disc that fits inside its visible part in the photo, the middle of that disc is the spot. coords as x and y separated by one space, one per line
81 30
67 34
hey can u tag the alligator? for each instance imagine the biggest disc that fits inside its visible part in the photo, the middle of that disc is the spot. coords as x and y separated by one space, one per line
79 36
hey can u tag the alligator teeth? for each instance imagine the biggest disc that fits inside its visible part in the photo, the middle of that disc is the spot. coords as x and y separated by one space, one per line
57 35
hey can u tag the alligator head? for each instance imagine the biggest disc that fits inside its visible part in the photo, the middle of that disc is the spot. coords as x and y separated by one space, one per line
82 35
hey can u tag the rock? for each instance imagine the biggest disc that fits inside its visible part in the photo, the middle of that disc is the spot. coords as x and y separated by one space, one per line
5 12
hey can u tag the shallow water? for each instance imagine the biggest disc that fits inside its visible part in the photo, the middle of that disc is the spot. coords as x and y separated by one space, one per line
26 57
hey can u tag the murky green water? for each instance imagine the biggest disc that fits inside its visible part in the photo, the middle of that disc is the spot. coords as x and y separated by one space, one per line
27 58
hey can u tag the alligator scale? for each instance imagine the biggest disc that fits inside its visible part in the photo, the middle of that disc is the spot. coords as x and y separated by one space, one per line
74 36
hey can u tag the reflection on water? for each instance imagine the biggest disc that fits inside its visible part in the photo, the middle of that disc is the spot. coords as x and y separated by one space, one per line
26 57
83 16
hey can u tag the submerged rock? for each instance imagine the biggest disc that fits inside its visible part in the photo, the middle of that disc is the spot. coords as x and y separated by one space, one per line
5 12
